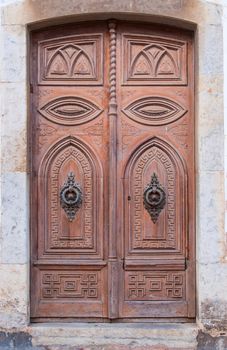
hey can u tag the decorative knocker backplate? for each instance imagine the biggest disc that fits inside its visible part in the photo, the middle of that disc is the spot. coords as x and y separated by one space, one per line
71 197
154 198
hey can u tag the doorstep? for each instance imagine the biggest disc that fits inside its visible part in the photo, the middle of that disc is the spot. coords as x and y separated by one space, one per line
118 336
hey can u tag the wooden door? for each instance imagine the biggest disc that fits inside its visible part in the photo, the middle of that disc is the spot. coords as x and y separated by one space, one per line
112 173
156 171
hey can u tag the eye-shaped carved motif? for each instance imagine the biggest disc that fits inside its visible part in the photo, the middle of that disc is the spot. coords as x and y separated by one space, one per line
71 197
154 198
154 110
70 110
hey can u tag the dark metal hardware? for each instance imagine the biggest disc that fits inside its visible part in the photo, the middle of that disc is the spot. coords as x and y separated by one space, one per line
154 198
71 197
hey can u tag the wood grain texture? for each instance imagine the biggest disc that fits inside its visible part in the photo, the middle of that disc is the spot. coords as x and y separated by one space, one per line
112 108
71 59
70 126
113 271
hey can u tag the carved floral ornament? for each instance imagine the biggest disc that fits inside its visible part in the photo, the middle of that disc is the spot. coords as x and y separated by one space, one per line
71 197
154 198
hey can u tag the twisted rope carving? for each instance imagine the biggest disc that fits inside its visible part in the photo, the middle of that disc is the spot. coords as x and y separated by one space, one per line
113 100
112 114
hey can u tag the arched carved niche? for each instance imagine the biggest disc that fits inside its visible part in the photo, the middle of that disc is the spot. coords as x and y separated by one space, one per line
167 234
62 234
151 59
72 59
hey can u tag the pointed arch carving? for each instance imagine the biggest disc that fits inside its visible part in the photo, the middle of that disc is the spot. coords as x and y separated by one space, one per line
62 66
146 66
169 233
71 60
60 235
164 67
82 65
152 60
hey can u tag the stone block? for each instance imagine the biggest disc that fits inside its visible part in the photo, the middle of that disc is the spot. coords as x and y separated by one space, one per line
13 53
209 123
14 128
13 295
210 217
212 290
15 218
211 148
140 336
210 46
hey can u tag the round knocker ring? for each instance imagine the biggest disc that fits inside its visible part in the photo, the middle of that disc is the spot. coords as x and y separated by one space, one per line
154 196
70 196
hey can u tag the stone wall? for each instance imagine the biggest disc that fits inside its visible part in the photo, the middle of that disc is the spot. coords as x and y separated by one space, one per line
209 20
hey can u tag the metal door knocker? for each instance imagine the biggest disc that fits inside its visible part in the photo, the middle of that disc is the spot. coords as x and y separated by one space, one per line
154 198
71 197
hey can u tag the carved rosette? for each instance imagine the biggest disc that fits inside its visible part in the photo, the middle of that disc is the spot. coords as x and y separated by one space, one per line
71 197
154 198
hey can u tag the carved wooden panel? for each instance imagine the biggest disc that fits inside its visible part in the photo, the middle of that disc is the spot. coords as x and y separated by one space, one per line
180 132
69 131
96 132
72 291
156 165
70 110
70 285
74 59
70 155
154 60
153 110
158 157
128 133
112 173
44 131
153 285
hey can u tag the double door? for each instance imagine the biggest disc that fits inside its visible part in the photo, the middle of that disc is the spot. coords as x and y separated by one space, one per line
112 172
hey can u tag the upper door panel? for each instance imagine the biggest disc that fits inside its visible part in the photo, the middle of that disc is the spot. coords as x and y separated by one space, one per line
154 60
71 60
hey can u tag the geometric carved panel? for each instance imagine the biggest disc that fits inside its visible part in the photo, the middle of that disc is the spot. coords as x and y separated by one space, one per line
71 60
166 234
79 235
150 60
66 284
154 110
152 285
70 110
